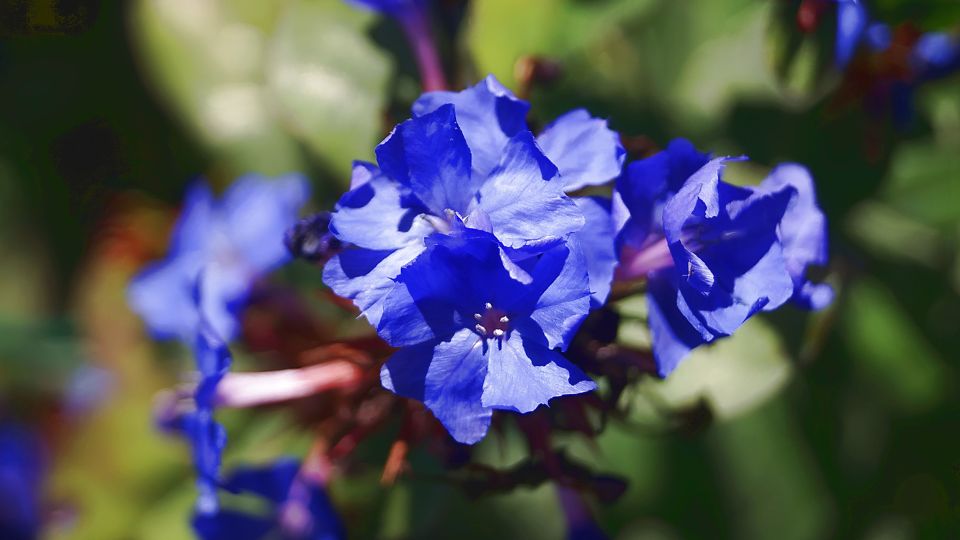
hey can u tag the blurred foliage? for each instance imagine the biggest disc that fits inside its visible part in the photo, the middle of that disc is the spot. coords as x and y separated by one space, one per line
832 426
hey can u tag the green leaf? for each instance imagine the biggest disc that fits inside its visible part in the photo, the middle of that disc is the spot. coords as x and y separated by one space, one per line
327 81
256 80
502 31
890 352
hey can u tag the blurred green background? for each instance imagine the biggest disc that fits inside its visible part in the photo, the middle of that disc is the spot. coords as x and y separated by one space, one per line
842 424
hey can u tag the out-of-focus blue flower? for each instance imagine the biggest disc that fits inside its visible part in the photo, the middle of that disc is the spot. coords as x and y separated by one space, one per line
852 21
222 245
427 183
21 475
714 254
295 509
878 37
936 55
475 339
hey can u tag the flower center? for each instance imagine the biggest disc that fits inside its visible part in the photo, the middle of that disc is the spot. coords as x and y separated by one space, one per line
491 322
441 224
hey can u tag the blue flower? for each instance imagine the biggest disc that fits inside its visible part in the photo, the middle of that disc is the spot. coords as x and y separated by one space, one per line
21 475
427 183
714 254
935 55
467 160
852 21
223 245
295 508
474 339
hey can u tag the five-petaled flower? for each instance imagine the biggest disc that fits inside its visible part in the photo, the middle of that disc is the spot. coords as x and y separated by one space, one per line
473 338
714 254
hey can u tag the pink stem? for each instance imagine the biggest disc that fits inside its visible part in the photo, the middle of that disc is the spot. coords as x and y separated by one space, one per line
637 263
240 390
416 26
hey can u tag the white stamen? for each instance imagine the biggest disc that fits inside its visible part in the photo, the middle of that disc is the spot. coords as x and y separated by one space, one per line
488 305
498 333
478 316
504 319
480 329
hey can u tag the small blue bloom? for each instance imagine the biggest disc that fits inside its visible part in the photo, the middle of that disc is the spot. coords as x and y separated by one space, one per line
935 55
474 339
714 254
426 183
223 245
852 21
21 477
467 160
295 509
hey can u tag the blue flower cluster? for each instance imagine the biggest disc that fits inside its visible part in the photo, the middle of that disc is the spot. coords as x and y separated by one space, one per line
713 253
468 254
465 250
219 249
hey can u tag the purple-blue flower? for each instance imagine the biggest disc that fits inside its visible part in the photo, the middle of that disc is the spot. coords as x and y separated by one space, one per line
426 183
222 246
467 160
473 338
714 254
293 507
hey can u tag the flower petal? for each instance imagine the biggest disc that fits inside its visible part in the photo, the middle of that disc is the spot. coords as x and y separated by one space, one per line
596 241
523 204
429 155
367 276
558 299
523 374
803 232
257 212
448 376
587 152
378 215
489 115
165 297
672 334
646 183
